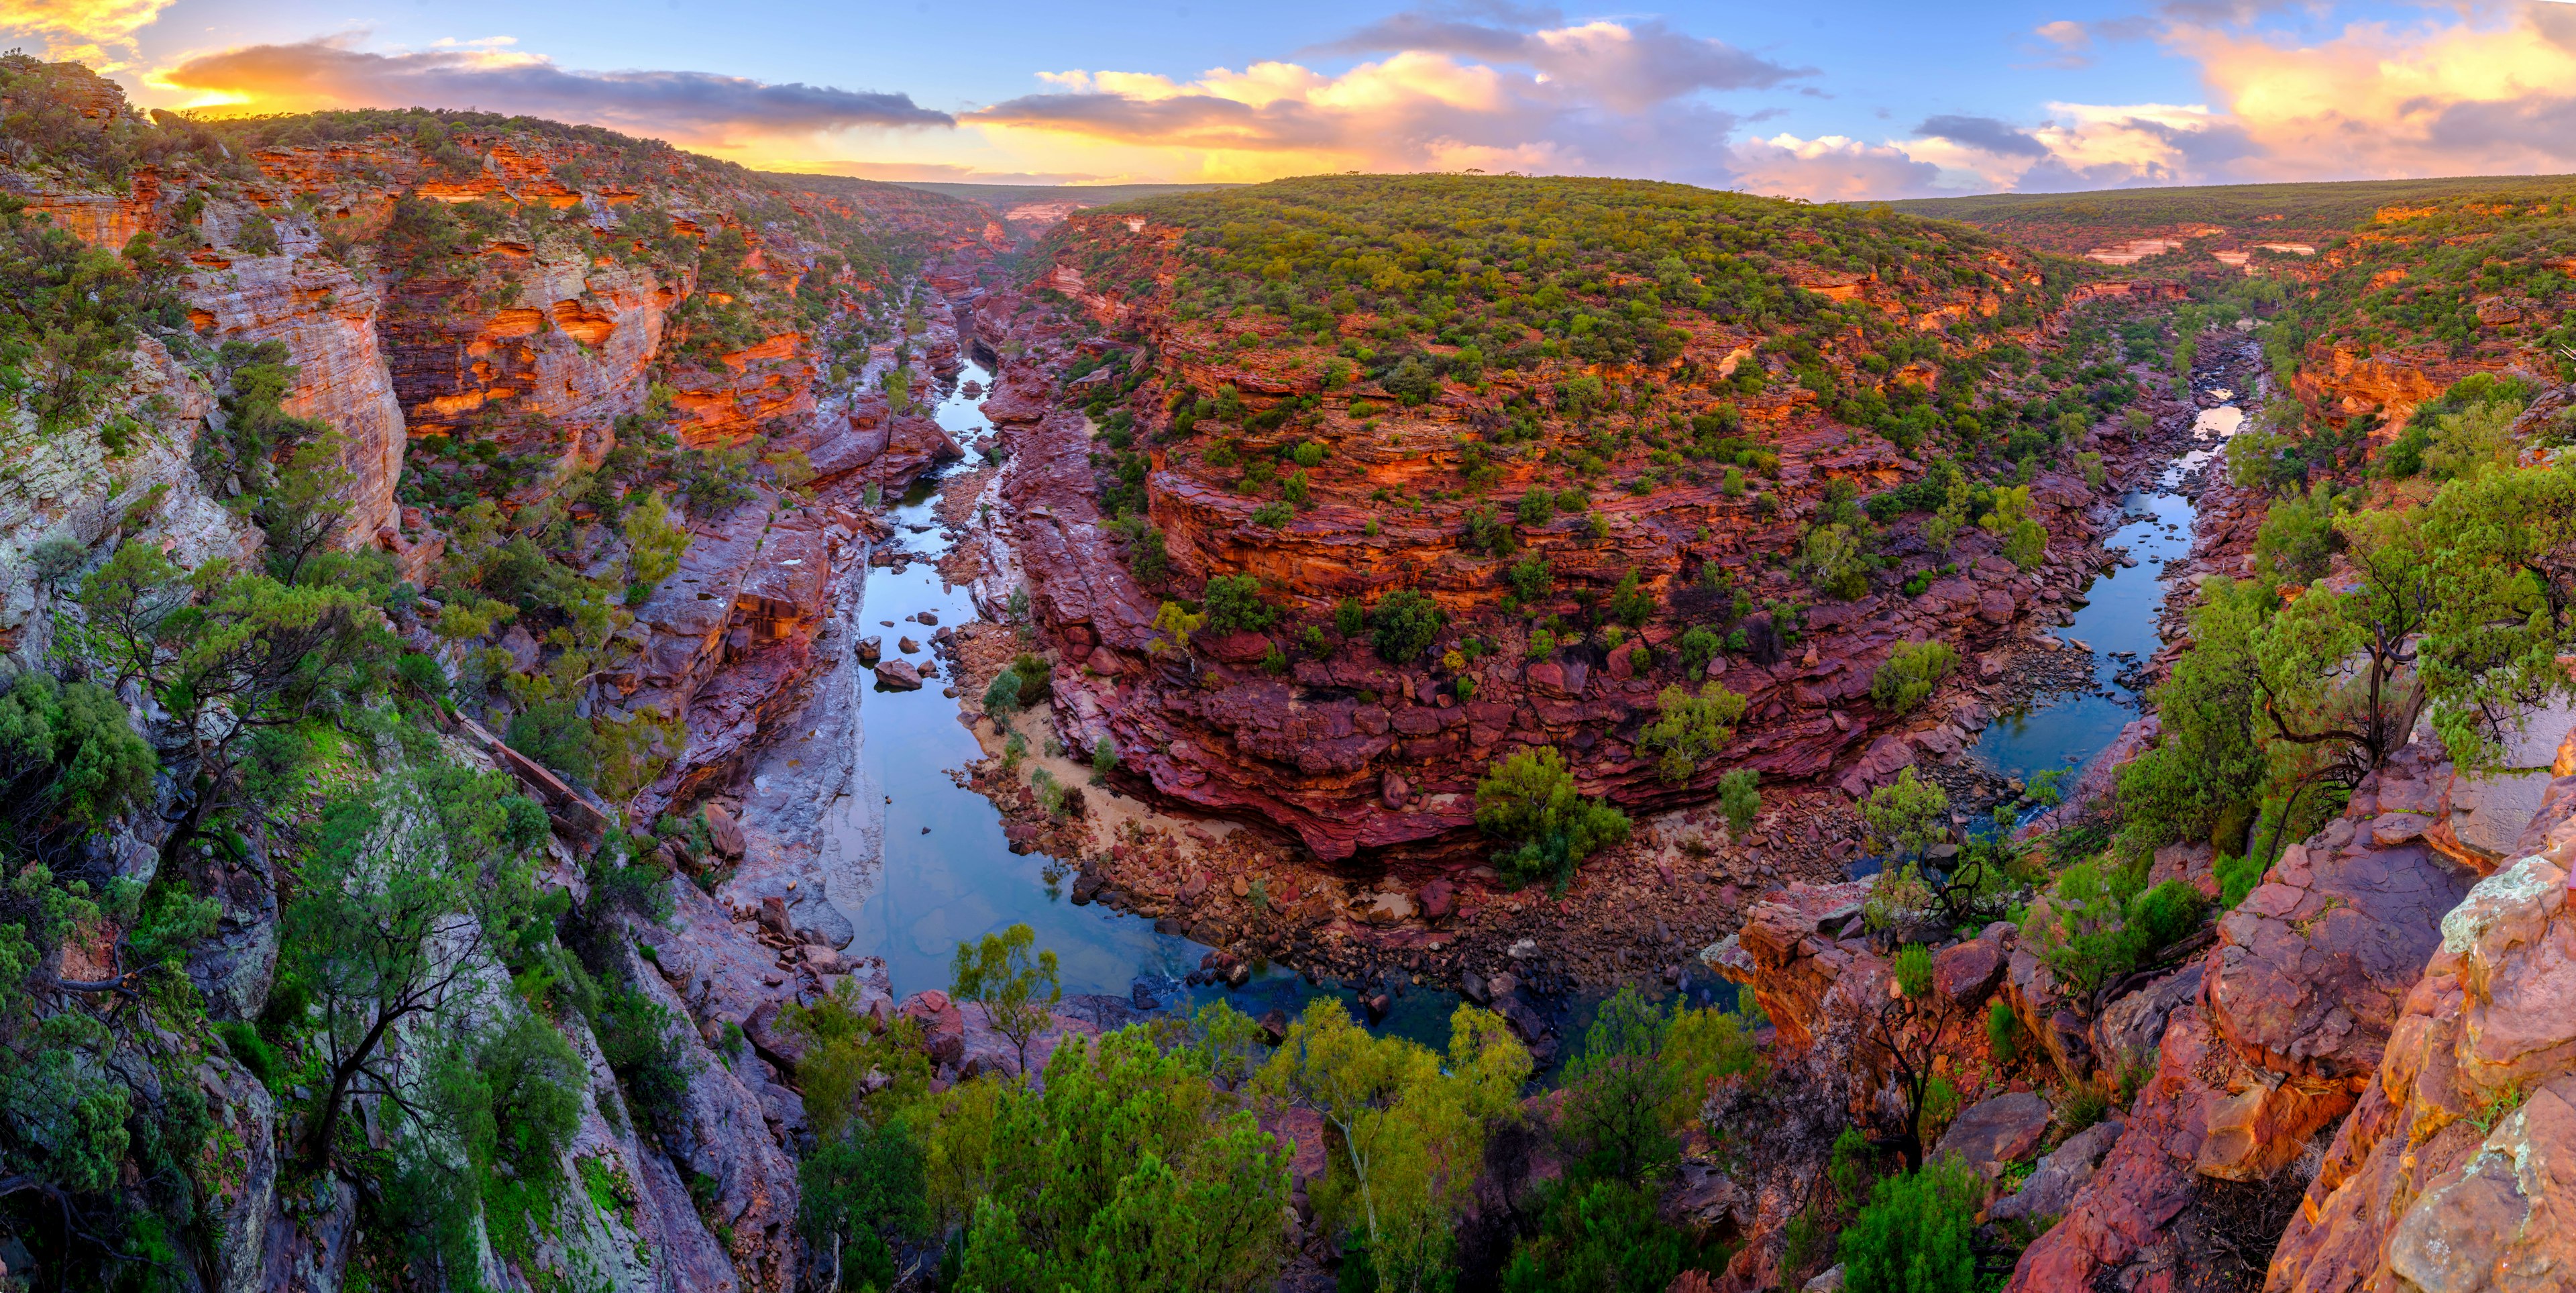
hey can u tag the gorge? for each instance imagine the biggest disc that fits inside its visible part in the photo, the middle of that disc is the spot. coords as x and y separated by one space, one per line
581 716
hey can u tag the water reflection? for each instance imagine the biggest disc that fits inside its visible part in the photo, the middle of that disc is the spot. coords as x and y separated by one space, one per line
948 874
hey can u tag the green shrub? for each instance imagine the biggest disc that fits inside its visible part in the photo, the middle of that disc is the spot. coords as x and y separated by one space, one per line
2003 1031
1913 1235
1700 644
1906 679
1739 799
1529 801
1914 970
1003 695
1403 624
1036 677
1233 604
421 675
2096 925
2237 877
252 1050
1349 618
1689 728
68 753
1531 578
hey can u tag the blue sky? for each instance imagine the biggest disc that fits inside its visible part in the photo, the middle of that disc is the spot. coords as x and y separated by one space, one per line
1853 100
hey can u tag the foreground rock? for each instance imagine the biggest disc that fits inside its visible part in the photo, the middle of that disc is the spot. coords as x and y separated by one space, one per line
2458 1171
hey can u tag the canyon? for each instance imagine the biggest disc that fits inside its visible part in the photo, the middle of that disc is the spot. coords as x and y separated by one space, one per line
1238 540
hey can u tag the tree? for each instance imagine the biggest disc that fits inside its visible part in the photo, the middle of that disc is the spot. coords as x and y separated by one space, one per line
1942 527
1739 797
1406 1127
1836 562
70 762
1403 624
2210 759
2024 540
1913 1236
226 655
2297 538
1639 1082
2473 441
1910 672
1538 506
1907 815
2504 606
1018 991
1529 801
306 510
2336 692
1174 623
655 542
1630 604
408 885
859 1186
1689 728
1125 1171
1531 577
1233 604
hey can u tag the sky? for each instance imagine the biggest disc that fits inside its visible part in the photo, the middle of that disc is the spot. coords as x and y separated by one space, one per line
1811 100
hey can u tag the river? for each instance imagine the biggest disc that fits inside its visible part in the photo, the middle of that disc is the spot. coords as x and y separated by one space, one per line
945 873
2068 730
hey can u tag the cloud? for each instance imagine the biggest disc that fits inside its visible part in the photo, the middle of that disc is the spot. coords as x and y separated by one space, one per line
1832 168
946 173
1439 93
1984 133
2470 90
92 31
2068 44
1628 67
2479 95
696 106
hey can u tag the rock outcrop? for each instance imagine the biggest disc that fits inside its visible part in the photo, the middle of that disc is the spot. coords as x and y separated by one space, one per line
1304 733
2458 1171
2293 1017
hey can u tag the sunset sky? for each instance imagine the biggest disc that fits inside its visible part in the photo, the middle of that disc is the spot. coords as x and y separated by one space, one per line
1814 100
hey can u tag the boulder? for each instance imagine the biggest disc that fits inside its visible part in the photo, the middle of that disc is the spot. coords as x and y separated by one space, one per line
2131 1028
1993 1134
1784 952
943 1026
871 650
1967 973
723 831
898 675
2458 1168
2052 1185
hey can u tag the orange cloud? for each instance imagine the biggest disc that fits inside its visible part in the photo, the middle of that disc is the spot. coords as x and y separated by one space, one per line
87 30
1594 98
2468 97
696 107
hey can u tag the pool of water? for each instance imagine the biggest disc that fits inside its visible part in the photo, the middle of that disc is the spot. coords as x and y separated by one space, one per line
948 875
2068 730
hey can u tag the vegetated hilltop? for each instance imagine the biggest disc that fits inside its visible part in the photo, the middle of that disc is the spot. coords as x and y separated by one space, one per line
2075 223
329 445
2390 290
1454 466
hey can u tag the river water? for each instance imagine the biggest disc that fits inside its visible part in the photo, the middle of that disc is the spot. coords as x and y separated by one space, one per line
2069 730
946 873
